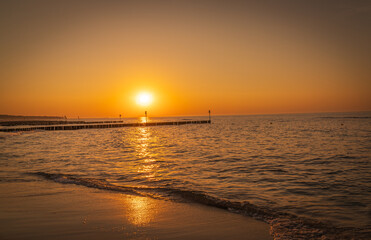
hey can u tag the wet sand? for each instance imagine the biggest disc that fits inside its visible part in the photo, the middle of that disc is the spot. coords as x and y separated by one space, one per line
48 210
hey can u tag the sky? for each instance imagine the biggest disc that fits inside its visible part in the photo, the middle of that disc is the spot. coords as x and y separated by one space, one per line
92 58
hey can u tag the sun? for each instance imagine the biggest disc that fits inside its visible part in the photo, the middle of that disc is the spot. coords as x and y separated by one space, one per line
144 99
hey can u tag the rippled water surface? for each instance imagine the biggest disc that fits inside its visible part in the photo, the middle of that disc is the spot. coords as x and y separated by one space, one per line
315 166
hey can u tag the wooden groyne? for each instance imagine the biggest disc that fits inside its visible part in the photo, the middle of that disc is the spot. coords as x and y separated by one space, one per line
99 125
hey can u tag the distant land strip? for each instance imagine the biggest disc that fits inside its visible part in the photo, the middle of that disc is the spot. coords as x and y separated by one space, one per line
20 117
48 122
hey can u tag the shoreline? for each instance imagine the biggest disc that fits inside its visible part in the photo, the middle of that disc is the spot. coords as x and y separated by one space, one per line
45 210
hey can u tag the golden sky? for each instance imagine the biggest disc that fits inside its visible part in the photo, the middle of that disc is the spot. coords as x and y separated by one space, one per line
92 58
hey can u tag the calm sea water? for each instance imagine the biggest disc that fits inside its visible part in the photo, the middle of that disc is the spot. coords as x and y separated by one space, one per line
303 171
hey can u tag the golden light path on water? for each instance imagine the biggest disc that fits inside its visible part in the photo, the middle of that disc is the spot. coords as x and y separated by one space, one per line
148 162
142 210
143 119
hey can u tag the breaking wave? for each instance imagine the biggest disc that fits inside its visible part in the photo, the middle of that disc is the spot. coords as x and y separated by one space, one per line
283 225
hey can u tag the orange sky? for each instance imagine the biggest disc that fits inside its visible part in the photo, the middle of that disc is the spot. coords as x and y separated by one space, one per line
91 58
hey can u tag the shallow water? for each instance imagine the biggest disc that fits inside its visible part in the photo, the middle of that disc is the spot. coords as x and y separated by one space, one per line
314 166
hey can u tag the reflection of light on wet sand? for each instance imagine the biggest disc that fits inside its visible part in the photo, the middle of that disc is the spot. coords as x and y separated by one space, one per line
140 210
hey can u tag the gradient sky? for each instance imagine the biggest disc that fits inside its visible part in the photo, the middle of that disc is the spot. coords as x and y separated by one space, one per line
91 58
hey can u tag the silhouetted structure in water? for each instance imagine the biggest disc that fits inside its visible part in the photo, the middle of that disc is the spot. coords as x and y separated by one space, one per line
100 125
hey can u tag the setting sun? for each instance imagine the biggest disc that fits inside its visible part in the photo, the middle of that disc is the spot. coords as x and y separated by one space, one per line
144 99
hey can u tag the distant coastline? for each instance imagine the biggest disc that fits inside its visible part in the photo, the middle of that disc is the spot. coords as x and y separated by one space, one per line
5 117
13 120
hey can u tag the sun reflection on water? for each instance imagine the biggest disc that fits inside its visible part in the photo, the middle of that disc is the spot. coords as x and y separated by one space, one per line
144 120
141 210
148 165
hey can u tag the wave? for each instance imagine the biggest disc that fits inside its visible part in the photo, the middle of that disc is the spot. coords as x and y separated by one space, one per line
5 179
283 225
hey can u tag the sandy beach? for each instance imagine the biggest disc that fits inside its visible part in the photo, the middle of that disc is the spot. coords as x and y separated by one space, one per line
43 209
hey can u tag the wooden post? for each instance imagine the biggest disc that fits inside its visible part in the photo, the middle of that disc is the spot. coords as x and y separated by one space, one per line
145 113
209 117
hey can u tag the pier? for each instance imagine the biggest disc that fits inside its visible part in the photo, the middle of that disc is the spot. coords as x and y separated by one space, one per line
96 125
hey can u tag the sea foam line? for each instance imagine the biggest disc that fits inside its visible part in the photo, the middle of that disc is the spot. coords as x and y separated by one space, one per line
283 225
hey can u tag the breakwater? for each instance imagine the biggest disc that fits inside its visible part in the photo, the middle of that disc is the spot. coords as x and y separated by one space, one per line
99 125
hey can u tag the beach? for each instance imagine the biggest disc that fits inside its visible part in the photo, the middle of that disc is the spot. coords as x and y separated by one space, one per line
42 209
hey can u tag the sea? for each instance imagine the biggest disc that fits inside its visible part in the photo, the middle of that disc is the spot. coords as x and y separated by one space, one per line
307 175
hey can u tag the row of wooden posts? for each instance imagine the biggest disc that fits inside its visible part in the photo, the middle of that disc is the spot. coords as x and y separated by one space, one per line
102 125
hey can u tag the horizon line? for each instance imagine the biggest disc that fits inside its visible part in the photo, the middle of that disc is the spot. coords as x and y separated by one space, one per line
248 114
